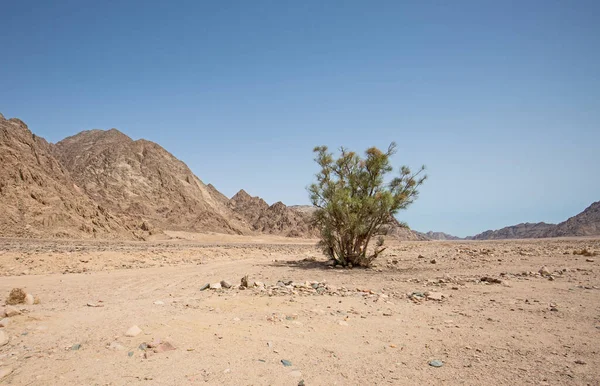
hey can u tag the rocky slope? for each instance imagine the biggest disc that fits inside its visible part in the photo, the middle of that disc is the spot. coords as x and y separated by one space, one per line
440 236
38 197
586 223
271 219
141 180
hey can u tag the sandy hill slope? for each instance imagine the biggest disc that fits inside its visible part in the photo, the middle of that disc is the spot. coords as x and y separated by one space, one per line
140 179
38 197
586 223
277 219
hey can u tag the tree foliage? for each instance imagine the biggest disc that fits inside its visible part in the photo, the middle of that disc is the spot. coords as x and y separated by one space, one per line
355 204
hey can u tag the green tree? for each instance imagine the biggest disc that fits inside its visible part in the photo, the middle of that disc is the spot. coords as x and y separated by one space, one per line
355 203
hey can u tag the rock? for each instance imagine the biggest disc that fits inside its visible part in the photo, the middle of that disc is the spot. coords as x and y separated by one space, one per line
95 305
491 280
589 260
133 331
37 300
205 287
544 271
436 363
433 261
11 311
4 322
437 296
244 282
215 286
164 346
76 347
4 372
580 362
225 284
421 257
301 383
3 338
343 323
116 346
286 363
159 303
29 299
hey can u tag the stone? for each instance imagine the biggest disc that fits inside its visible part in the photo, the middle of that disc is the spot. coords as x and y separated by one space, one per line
76 347
159 303
164 346
3 338
4 372
29 299
11 311
215 286
437 296
433 261
421 257
436 363
544 271
37 300
4 322
286 363
116 346
589 260
343 323
205 287
225 284
133 331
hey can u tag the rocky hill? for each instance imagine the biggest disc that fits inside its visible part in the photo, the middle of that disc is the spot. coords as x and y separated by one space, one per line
440 236
142 181
271 219
586 223
38 197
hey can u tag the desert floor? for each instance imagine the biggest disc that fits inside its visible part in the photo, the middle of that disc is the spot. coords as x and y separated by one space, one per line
423 301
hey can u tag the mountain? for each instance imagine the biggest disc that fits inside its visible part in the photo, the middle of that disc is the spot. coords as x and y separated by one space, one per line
440 236
586 223
140 180
276 219
39 198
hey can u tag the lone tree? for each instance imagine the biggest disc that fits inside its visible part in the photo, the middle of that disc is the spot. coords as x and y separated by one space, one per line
355 203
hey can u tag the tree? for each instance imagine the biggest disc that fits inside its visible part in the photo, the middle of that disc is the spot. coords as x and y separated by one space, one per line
355 203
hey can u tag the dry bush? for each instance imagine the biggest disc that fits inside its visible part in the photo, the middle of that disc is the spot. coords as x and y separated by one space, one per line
585 252
17 296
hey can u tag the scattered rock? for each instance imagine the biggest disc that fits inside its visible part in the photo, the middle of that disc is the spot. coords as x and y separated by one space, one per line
95 305
3 338
286 363
159 303
16 296
205 287
37 300
29 299
580 362
433 261
215 286
116 346
421 257
164 346
589 260
244 282
491 280
76 347
133 331
436 363
437 296
11 311
544 271
225 284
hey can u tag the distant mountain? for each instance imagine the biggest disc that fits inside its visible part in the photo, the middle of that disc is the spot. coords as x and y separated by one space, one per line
440 236
586 223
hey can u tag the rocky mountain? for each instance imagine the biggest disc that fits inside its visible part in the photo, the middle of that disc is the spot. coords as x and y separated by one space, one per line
38 197
271 219
440 236
586 223
140 180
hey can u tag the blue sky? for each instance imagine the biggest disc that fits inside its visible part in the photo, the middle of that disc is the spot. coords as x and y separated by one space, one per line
500 99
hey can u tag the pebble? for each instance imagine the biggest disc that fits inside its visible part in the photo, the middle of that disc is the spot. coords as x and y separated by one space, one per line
11 311
215 286
225 284
437 296
4 322
204 287
159 302
76 347
3 338
164 346
544 271
436 363
580 362
421 257
5 371
29 299
133 331
433 261
589 260
286 363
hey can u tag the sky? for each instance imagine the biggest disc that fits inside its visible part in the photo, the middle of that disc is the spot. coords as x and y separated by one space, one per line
499 99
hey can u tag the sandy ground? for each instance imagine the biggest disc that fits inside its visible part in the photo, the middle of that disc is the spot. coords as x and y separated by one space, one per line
361 327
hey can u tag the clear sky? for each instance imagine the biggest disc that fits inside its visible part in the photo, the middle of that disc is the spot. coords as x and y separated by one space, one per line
500 99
